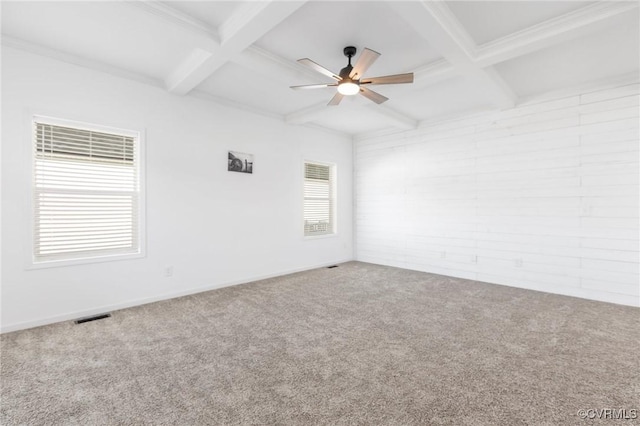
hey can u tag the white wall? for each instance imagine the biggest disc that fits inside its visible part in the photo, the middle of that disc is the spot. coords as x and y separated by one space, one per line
542 196
214 227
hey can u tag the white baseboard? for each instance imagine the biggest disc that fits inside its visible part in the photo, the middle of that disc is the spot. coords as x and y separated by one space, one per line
137 302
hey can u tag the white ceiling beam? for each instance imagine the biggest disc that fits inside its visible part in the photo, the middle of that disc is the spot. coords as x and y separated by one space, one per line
306 115
16 43
12 42
398 119
430 74
554 31
309 114
203 59
592 86
435 22
274 67
205 96
195 68
252 20
341 133
253 58
176 17
246 25
225 44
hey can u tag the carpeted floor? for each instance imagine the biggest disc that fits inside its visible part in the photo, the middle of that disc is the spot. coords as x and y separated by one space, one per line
358 344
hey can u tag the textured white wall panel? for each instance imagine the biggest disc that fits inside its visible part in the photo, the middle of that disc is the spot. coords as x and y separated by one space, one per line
543 196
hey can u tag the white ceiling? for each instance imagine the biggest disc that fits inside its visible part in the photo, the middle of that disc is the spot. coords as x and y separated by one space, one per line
488 20
466 55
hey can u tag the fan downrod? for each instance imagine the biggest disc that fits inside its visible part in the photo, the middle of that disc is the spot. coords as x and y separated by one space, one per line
349 52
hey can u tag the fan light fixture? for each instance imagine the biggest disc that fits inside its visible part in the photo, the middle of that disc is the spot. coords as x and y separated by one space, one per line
348 88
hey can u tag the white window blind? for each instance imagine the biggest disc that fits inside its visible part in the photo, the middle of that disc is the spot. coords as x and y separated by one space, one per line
318 199
86 193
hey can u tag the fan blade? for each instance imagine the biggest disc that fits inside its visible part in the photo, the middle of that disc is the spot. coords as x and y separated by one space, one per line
389 79
366 59
312 86
336 99
319 68
373 96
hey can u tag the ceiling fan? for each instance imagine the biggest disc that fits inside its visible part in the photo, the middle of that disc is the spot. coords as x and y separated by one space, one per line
350 82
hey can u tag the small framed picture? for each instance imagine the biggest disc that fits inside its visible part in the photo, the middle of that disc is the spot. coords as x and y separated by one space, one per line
240 162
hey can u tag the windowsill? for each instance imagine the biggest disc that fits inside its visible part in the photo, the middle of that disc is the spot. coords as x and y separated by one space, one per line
320 237
83 261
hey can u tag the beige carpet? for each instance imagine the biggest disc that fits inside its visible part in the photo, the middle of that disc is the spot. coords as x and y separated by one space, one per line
358 344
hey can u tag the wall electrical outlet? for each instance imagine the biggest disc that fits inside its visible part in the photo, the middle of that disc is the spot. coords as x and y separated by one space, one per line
518 263
168 271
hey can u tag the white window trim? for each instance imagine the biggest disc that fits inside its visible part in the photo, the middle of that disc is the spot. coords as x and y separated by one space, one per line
334 187
319 237
31 118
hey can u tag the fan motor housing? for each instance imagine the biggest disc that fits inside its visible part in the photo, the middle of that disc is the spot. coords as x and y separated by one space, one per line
344 72
350 51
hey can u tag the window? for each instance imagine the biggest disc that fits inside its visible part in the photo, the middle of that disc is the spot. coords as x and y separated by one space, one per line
319 199
86 192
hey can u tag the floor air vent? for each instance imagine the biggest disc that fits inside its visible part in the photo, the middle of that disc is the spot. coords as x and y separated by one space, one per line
332 266
92 318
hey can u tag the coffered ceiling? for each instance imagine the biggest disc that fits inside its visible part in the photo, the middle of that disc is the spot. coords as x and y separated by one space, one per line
467 56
